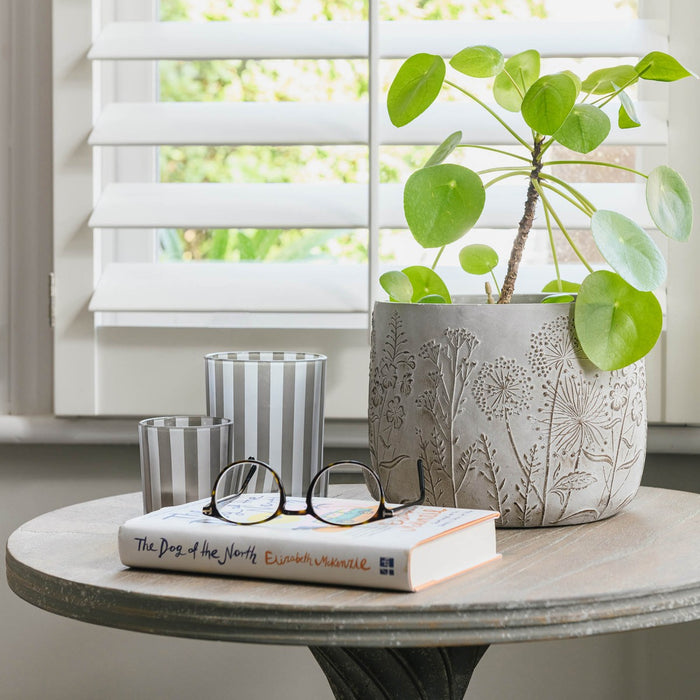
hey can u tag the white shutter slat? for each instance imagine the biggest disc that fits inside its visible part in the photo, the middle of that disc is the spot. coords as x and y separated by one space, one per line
278 39
230 40
282 205
215 205
285 123
230 287
255 320
219 123
550 38
214 294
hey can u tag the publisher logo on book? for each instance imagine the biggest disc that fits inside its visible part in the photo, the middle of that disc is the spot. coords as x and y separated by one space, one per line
386 566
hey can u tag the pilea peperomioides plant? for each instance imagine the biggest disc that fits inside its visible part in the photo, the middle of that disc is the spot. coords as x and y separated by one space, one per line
617 316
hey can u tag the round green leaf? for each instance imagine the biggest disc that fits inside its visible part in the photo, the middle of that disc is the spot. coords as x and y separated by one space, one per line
616 324
415 87
658 65
628 249
478 61
432 299
554 286
444 149
397 285
426 282
604 80
584 129
627 116
518 74
442 203
478 259
575 78
548 102
669 202
558 299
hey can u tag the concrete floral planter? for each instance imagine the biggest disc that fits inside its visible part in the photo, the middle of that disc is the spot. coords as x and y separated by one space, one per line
504 410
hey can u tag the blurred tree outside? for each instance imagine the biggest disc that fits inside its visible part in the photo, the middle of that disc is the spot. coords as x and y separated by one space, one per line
306 81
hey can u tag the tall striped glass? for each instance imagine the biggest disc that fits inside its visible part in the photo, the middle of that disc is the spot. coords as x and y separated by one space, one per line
181 456
275 399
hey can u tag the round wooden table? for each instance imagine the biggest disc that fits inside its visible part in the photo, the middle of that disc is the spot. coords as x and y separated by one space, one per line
639 569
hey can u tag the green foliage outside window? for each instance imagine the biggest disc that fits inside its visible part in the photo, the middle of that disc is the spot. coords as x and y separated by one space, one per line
292 80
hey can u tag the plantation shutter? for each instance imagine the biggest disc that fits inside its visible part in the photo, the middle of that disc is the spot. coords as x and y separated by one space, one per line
104 301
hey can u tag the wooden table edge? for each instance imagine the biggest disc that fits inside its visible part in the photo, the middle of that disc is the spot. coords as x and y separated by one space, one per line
189 617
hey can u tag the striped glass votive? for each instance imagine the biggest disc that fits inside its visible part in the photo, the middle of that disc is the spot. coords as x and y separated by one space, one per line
275 400
181 456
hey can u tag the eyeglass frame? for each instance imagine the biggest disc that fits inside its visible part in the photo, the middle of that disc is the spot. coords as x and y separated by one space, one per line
383 511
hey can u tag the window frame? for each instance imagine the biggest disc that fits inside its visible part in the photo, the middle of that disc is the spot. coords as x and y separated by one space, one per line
101 371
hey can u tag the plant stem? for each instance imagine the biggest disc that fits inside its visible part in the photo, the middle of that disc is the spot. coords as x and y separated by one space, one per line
604 99
491 112
515 85
586 202
562 228
571 200
552 246
437 257
546 146
495 281
494 150
519 173
503 168
524 227
593 162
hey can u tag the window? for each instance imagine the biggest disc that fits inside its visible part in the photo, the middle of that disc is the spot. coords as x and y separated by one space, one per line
132 324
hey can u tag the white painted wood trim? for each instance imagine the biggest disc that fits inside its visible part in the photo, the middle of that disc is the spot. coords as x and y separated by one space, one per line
683 286
74 351
6 84
26 342
78 331
283 39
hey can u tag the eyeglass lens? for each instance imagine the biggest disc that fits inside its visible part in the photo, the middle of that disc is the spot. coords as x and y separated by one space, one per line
247 492
346 494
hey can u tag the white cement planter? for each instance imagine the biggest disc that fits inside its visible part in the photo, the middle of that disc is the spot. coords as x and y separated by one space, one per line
504 410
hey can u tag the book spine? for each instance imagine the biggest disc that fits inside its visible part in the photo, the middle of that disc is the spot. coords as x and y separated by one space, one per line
247 554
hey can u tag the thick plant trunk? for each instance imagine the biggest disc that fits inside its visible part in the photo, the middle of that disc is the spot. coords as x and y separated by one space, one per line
524 227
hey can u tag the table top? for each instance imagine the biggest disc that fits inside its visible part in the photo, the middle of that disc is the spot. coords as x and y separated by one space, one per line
640 568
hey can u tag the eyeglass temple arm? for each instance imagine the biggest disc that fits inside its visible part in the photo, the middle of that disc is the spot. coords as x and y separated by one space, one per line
421 479
421 486
249 476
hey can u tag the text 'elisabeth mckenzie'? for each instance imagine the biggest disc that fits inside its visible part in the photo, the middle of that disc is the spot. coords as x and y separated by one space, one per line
304 558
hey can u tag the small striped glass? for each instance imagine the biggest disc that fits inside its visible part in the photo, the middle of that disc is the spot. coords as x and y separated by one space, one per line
181 457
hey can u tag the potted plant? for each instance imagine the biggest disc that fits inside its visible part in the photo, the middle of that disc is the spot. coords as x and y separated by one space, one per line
535 407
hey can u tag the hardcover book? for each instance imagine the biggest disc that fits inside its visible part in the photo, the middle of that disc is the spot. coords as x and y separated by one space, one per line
414 549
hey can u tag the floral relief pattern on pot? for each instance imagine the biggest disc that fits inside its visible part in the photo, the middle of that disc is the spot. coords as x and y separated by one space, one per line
391 383
547 439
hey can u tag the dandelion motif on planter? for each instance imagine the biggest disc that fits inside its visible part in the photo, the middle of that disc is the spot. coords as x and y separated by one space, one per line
516 420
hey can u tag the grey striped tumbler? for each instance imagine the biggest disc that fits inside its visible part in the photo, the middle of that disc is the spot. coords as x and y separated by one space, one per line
181 456
275 400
